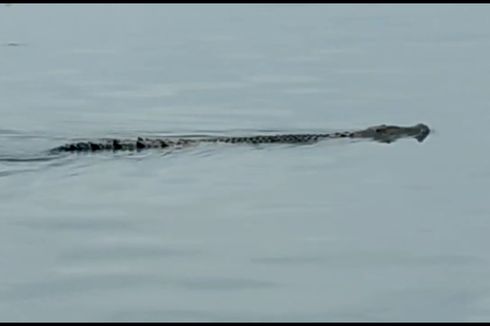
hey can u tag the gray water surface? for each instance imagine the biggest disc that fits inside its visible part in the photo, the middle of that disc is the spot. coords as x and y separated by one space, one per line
334 231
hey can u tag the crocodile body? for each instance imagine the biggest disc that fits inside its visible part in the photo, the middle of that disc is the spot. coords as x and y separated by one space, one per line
381 133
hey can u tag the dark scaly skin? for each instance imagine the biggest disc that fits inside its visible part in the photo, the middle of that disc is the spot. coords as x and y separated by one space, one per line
381 133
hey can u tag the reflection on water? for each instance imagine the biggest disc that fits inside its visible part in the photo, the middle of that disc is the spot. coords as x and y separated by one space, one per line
335 231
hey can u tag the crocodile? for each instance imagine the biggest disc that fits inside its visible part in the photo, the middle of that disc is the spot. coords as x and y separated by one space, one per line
381 133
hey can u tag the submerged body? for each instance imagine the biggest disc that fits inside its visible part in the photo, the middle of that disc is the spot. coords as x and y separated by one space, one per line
381 133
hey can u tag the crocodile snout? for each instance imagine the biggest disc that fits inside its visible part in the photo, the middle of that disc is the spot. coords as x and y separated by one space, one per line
423 132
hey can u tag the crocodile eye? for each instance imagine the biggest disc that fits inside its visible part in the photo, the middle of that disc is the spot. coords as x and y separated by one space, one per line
380 129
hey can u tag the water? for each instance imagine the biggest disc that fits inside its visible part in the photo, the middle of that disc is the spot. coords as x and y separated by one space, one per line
331 231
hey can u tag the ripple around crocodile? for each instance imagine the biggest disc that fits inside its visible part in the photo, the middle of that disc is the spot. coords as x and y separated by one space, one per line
381 133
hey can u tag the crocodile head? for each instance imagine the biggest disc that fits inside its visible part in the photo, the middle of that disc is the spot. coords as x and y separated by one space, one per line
388 134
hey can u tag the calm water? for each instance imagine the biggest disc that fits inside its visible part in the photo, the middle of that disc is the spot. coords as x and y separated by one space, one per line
331 231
